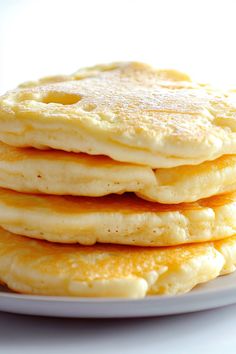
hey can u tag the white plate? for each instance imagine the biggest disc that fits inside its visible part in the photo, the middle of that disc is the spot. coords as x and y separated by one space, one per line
219 292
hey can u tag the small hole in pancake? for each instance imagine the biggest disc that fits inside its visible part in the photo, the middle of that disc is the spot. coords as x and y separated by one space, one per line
61 98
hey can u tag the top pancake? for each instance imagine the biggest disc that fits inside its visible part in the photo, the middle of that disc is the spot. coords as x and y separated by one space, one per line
128 111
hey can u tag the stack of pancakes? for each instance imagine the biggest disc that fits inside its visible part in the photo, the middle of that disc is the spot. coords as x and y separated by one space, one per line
121 180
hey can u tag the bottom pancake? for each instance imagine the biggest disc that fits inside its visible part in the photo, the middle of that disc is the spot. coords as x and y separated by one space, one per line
38 267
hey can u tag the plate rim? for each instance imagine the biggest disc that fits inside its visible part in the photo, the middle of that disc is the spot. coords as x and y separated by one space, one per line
210 295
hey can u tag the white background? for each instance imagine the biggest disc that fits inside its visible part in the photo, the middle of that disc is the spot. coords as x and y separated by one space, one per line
46 37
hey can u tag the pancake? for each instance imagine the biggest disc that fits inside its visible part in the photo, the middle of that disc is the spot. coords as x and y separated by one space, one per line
127 111
38 267
117 219
62 173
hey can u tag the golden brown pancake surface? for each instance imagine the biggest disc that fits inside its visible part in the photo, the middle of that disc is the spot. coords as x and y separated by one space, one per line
38 267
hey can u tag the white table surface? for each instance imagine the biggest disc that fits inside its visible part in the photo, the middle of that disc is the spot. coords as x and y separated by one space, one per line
208 332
